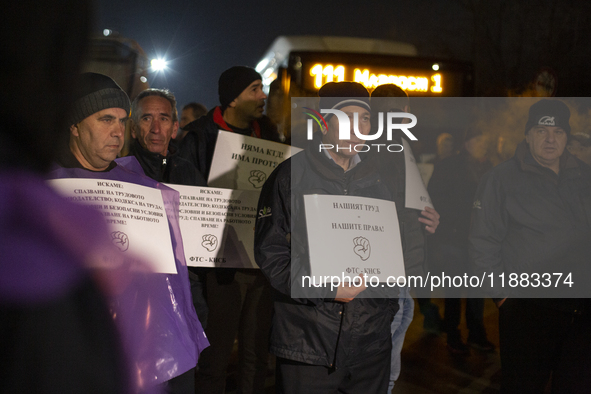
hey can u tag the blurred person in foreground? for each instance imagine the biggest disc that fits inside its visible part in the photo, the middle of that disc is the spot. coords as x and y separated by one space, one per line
155 309
56 333
239 300
532 215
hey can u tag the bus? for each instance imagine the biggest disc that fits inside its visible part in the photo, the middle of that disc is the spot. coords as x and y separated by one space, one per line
122 59
297 66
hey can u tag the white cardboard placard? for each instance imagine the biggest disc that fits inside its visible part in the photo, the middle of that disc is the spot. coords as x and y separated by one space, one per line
135 214
244 163
350 235
416 196
217 226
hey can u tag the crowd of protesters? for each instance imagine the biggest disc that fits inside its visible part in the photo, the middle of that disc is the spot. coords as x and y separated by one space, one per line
68 326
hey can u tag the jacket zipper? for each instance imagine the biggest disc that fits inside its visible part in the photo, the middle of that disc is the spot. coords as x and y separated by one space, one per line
163 169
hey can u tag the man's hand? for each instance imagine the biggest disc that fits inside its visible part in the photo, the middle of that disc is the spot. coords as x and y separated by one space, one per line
431 219
347 291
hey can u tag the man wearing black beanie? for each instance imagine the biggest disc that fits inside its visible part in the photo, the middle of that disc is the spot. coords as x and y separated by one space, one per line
239 300
242 102
97 123
531 219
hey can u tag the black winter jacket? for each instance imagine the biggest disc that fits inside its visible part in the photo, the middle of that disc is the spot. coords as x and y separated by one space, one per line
316 330
177 171
527 219
170 169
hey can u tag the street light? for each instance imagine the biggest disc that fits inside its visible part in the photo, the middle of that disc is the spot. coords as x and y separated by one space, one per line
159 64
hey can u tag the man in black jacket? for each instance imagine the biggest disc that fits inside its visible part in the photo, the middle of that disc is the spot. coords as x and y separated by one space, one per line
239 300
531 223
332 341
242 102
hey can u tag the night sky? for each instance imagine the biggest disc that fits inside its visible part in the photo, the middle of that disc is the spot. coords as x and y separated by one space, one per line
507 41
202 39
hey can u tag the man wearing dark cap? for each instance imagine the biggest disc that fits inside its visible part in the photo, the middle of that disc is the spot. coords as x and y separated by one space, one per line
171 337
332 340
239 300
531 216
97 124
242 102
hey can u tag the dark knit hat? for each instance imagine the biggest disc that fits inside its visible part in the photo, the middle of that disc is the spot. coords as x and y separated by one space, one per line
336 95
548 113
233 81
94 93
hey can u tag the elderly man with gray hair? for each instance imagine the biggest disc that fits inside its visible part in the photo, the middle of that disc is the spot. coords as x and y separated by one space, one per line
154 125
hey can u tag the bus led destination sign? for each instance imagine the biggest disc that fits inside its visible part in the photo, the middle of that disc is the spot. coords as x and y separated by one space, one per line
323 73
